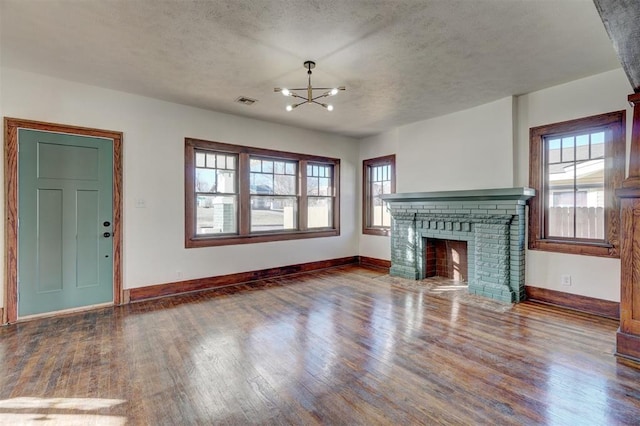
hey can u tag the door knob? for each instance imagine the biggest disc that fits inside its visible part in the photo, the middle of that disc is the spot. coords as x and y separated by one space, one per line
106 235
106 223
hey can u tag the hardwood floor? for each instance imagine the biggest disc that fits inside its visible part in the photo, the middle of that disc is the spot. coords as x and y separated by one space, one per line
348 345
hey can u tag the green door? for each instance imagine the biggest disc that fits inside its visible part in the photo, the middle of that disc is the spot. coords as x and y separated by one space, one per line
65 221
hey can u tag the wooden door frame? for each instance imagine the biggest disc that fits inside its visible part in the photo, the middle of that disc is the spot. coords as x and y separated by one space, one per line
11 126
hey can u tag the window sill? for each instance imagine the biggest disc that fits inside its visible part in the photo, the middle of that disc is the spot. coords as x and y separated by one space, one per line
600 249
227 240
384 232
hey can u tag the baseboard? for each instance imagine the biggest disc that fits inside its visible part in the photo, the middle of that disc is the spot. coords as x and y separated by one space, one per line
168 289
377 263
628 346
603 308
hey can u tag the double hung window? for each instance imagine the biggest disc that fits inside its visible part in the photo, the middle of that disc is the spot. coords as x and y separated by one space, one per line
237 194
575 167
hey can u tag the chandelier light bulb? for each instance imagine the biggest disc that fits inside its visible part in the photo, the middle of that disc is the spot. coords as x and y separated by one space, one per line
333 92
329 107
289 108
286 92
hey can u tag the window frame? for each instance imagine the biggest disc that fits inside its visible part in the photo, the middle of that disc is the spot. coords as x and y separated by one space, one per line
614 171
244 234
367 228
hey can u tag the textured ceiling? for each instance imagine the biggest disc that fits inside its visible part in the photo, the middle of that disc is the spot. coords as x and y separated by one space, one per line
402 61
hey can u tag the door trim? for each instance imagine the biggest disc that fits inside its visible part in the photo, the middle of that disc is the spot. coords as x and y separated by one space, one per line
11 126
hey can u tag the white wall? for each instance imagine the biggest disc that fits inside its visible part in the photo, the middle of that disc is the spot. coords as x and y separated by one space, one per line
470 149
591 276
154 132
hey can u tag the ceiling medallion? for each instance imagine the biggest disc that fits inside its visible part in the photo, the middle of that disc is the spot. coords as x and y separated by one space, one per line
309 98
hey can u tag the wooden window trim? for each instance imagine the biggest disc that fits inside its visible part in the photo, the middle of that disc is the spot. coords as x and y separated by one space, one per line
366 196
614 175
244 235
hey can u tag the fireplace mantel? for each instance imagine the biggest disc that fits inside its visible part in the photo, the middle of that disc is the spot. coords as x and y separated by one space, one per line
491 221
522 193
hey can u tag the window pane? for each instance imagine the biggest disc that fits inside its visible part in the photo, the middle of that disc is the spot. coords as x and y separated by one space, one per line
568 149
256 165
200 159
320 214
312 186
284 185
267 166
231 162
261 183
211 161
324 186
560 222
553 151
279 167
582 147
216 214
590 199
221 161
386 187
226 181
379 214
205 180
273 213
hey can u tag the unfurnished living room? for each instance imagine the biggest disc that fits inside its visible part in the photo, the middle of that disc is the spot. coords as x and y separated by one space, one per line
307 212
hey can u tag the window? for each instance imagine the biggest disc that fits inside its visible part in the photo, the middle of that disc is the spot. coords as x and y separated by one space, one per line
237 194
575 167
378 179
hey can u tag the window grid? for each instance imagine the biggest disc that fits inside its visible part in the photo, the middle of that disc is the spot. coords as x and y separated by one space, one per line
378 180
266 194
216 193
583 217
319 195
575 167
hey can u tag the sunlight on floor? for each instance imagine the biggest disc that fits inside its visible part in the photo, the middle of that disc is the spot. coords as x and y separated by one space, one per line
31 410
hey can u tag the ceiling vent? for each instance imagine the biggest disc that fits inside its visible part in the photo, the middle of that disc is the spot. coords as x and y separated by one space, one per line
246 101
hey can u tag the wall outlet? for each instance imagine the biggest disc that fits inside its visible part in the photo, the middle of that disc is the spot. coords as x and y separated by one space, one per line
141 203
565 279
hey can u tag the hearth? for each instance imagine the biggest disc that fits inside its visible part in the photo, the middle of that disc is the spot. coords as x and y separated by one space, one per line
491 222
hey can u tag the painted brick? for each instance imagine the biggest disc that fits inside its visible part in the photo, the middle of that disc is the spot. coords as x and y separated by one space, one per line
495 236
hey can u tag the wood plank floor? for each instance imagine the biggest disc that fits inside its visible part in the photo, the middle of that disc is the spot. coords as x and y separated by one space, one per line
344 346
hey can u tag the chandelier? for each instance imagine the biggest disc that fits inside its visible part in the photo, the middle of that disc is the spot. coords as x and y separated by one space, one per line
308 97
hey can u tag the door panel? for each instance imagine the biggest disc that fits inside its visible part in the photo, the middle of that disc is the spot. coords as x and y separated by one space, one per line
49 240
88 222
64 197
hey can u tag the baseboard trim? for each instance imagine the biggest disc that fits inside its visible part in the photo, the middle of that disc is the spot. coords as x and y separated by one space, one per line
173 288
376 263
590 305
628 346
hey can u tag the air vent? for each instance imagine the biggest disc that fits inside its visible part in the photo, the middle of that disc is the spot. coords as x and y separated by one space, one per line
246 101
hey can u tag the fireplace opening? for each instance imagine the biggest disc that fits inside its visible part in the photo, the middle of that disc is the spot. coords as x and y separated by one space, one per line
446 259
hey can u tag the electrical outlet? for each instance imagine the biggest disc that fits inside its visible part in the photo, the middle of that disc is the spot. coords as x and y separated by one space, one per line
565 279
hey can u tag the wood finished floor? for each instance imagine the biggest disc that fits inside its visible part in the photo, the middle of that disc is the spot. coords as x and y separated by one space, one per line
343 346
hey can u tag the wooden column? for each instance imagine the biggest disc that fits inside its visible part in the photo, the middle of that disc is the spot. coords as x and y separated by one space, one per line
628 337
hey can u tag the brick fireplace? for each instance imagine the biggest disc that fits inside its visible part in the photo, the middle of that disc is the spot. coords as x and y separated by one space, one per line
490 221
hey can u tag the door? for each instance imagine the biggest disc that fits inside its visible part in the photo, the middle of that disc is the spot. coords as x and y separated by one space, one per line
65 196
